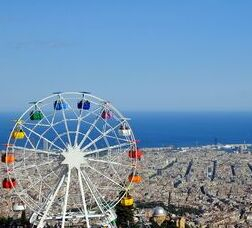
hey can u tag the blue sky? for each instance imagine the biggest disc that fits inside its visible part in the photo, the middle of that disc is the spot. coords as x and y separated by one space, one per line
140 55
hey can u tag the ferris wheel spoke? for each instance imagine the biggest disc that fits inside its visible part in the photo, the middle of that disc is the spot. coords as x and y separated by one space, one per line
72 109
40 192
113 129
80 120
40 136
33 186
109 188
89 131
58 137
115 167
38 125
103 202
66 125
100 137
53 116
23 176
119 146
115 156
38 186
66 198
105 139
83 198
50 202
29 141
77 131
108 162
102 174
90 113
117 174
112 137
113 164
35 150
42 182
117 138
51 125
25 167
92 189
78 125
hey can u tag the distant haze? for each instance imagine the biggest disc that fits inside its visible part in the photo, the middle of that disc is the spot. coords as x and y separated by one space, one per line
140 55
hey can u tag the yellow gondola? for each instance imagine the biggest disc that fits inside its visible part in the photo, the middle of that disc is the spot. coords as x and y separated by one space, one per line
18 134
127 201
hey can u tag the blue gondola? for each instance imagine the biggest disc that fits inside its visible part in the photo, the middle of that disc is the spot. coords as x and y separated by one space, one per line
84 105
59 105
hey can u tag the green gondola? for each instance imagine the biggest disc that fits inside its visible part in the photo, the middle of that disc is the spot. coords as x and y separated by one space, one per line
36 115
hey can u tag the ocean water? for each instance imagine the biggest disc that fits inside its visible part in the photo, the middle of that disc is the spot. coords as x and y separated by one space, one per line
191 128
156 129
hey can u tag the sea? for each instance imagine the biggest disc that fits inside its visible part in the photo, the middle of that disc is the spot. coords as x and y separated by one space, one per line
178 129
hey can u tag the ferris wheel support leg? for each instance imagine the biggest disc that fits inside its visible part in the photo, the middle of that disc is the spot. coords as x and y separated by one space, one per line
66 198
41 222
83 199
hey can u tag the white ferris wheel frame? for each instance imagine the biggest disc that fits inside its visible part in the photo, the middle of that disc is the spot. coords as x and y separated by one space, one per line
41 212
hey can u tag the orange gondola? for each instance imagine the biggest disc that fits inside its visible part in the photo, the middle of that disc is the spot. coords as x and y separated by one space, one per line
135 178
8 158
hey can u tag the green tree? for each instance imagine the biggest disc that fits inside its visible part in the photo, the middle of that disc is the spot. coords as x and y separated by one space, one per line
125 216
165 224
5 222
23 219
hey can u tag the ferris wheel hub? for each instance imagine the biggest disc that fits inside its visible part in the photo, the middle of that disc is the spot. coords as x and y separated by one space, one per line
74 157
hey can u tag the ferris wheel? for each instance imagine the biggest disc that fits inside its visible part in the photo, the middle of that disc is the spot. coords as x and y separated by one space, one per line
71 157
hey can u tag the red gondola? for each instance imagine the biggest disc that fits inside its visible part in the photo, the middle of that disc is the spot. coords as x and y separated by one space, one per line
138 154
9 184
